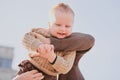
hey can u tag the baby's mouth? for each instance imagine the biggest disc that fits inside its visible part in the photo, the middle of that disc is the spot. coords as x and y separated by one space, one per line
61 33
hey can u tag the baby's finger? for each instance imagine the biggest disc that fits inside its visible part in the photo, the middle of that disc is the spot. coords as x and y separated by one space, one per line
47 48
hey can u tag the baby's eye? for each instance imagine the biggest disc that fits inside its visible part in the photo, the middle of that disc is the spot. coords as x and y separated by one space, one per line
58 24
67 26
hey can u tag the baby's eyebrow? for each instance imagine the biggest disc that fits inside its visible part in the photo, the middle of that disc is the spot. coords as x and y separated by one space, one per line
57 24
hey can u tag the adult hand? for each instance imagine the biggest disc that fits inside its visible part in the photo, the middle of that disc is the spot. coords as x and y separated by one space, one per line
30 75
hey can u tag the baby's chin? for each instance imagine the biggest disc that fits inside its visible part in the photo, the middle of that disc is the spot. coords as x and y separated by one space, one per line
60 37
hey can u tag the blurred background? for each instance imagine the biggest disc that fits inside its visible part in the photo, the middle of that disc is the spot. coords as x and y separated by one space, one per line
100 18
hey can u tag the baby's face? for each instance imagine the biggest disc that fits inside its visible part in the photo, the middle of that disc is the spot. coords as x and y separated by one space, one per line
61 25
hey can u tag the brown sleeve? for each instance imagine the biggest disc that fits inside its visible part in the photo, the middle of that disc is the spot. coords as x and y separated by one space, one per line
77 41
25 66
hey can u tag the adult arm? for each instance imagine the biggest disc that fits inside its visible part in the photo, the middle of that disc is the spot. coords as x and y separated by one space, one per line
77 41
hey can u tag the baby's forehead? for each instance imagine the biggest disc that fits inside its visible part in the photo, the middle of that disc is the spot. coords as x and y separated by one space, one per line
59 12
63 15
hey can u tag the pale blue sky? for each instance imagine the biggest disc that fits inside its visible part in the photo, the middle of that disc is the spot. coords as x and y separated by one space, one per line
100 18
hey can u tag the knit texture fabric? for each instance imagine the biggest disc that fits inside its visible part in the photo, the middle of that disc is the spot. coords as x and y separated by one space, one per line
30 42
26 65
44 32
44 65
62 65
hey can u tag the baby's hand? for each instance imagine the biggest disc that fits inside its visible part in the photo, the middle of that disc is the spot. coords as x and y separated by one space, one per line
44 50
47 51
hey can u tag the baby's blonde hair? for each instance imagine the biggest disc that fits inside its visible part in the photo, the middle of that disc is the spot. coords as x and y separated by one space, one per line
64 8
